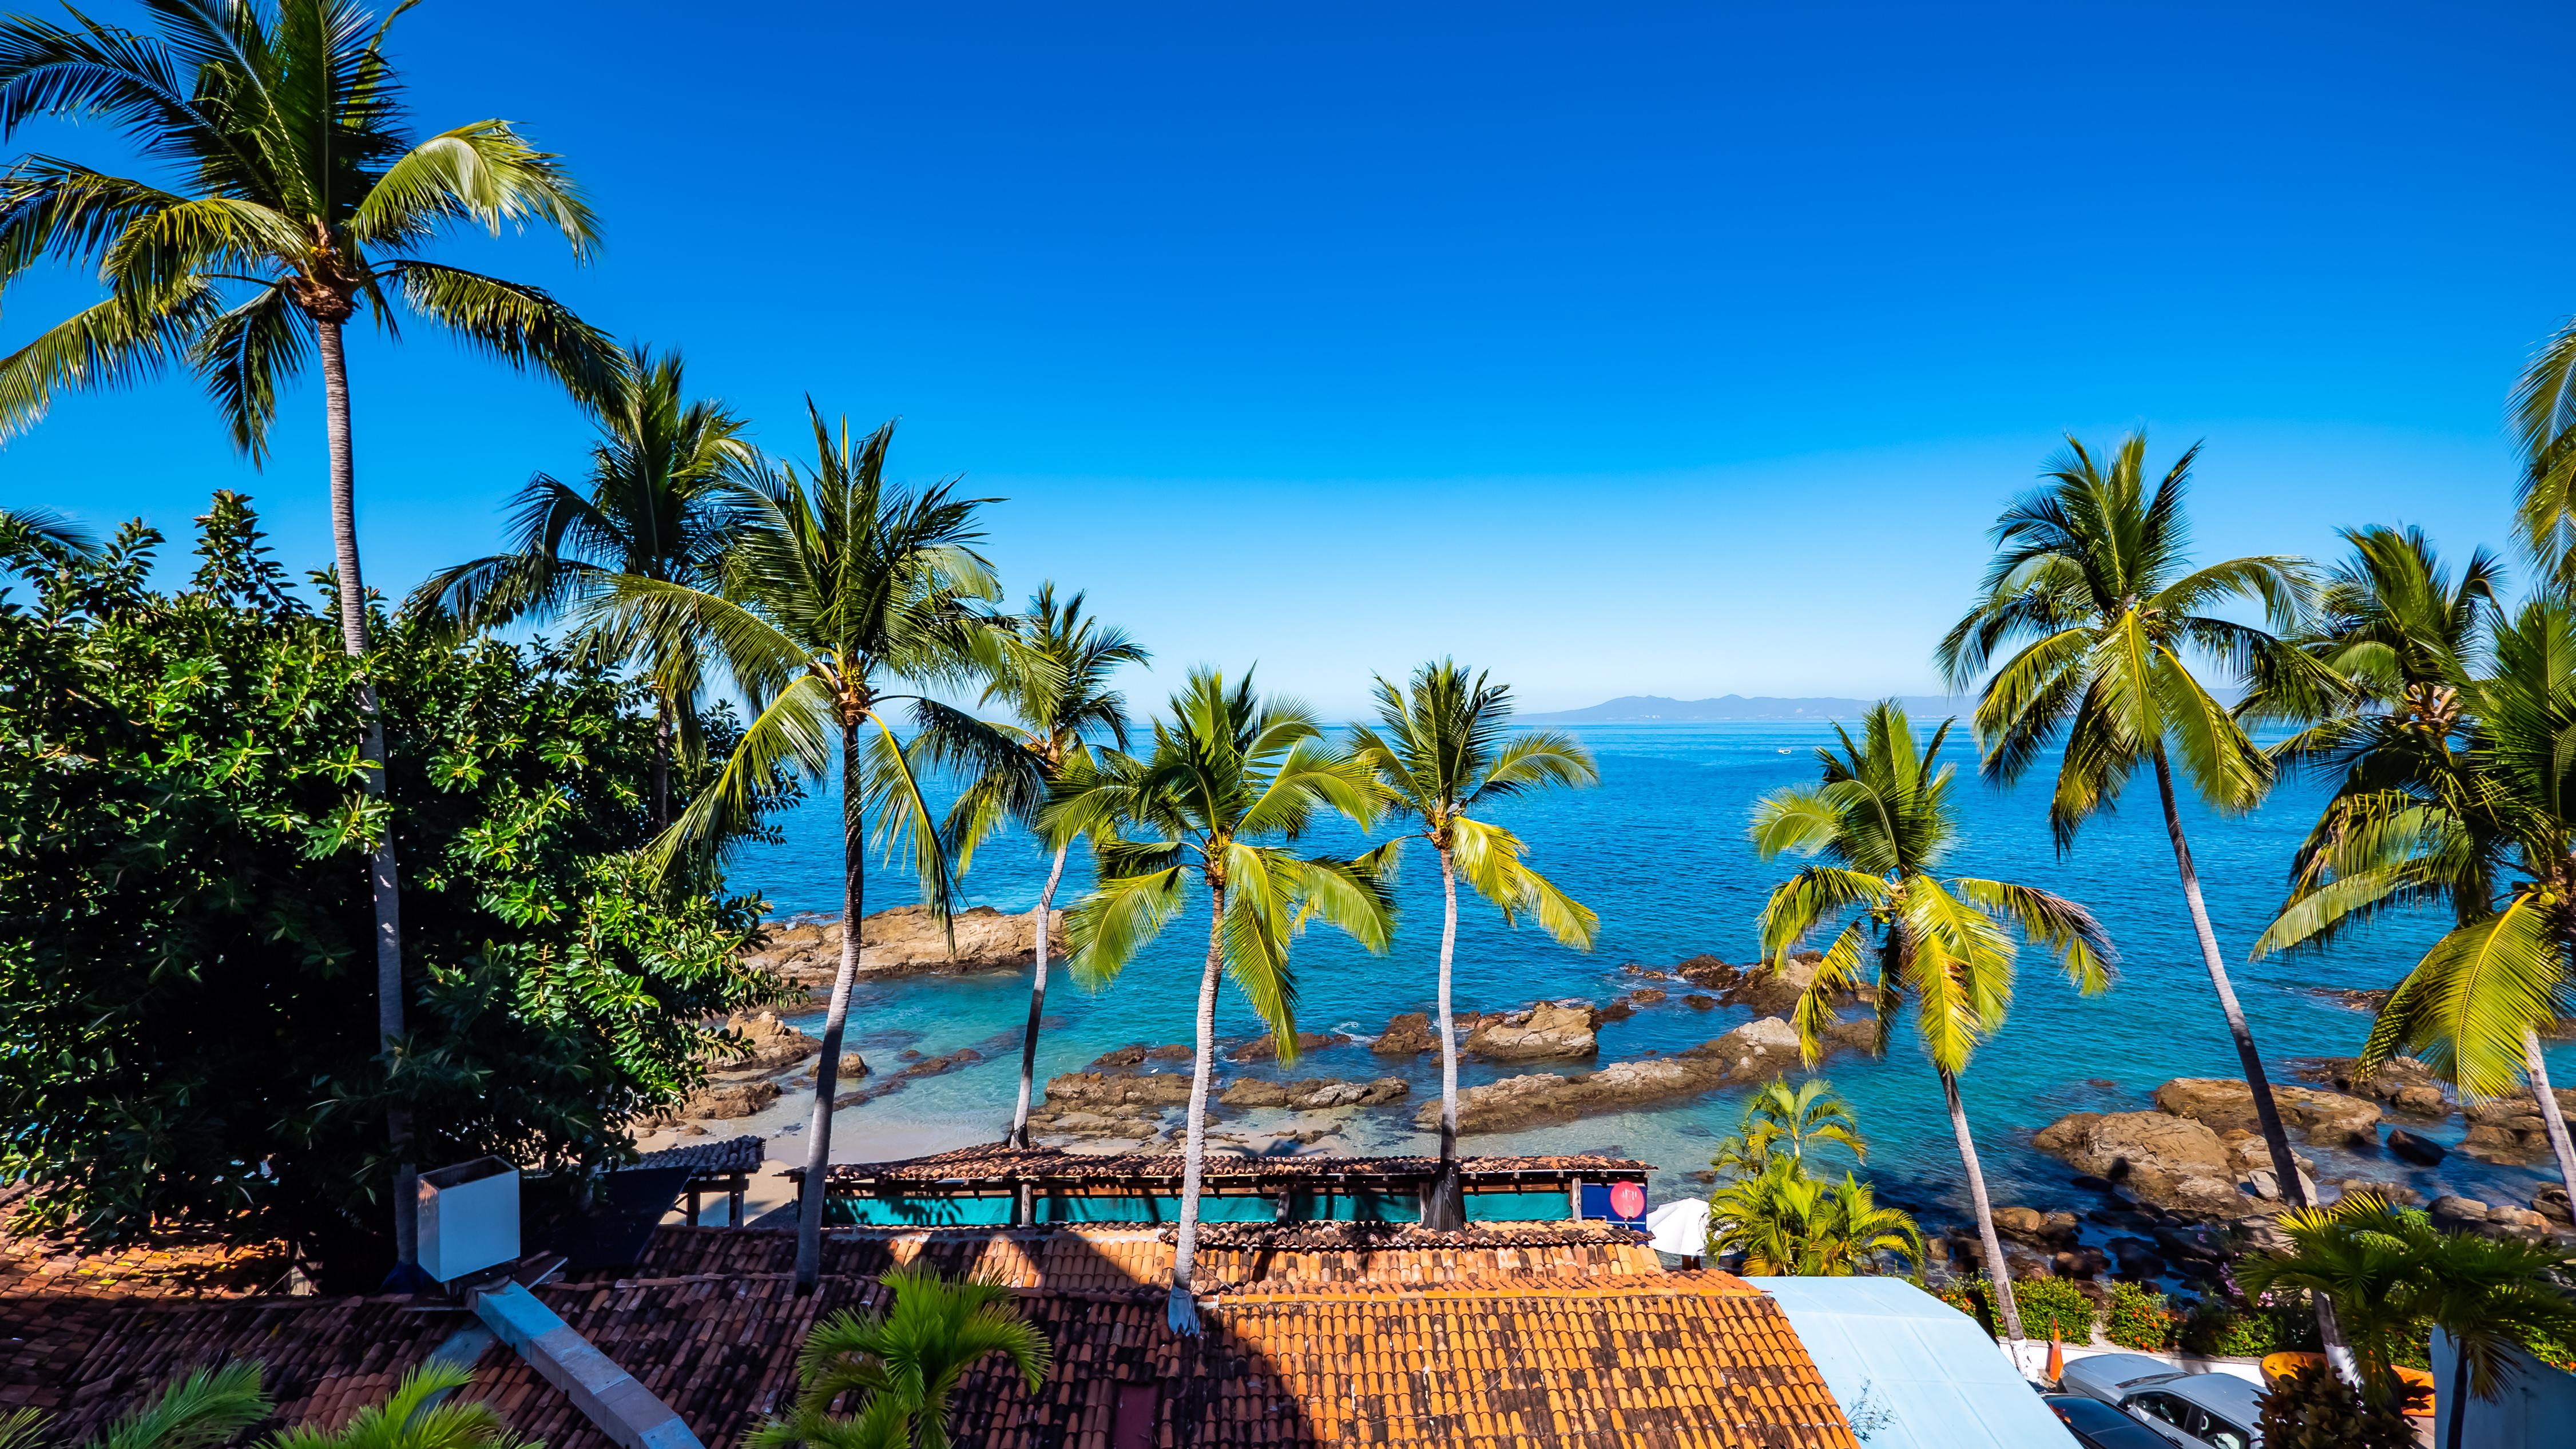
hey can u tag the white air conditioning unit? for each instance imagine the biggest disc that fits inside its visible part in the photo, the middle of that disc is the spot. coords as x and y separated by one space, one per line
469 1218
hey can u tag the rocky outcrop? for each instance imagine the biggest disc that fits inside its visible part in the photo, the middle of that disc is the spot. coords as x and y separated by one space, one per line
1314 1094
2222 1104
2405 1084
2509 1129
1751 1052
1122 1105
762 1043
2467 1214
1263 1048
1407 1034
1547 1031
1647 995
906 941
2174 1163
721 1101
926 1067
1132 1056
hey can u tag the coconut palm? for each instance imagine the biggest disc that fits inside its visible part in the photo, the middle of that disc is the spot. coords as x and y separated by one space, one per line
1882 818
2089 580
423 1413
195 1411
2544 424
659 504
301 199
840 588
1232 783
43 530
1789 1224
1061 705
1443 748
901 1368
1782 1121
2489 827
2402 638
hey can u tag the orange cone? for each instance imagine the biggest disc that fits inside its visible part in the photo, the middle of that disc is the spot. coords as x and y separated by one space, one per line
2056 1355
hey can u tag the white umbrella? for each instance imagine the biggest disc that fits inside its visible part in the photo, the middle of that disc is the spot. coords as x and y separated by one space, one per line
1680 1227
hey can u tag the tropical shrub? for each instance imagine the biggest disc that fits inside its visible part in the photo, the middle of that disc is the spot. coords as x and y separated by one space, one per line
186 954
2138 1317
883 1380
2313 1409
2047 1305
1791 1224
2226 1329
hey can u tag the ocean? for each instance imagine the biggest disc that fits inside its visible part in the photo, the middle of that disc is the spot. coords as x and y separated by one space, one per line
1659 850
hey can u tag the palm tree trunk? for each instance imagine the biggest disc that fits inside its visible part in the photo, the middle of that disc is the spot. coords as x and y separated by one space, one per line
1183 1312
1019 1136
2267 1113
661 762
382 888
827 1067
1448 1206
1997 1273
2550 1116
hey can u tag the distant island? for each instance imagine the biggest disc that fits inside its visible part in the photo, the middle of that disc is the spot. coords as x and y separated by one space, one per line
1655 709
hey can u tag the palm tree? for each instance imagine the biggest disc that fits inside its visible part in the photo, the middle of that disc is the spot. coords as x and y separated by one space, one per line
1061 705
903 1366
2089 570
839 587
2489 826
2544 423
1788 1224
1442 749
2490 1296
197 1411
42 529
659 504
1778 1116
1231 784
423 1413
1883 820
2401 637
305 200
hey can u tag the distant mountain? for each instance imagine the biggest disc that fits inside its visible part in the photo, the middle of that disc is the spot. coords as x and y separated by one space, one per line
1655 709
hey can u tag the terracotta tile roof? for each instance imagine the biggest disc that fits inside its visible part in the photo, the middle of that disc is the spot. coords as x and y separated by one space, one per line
1568 1354
997 1163
57 1300
734 1154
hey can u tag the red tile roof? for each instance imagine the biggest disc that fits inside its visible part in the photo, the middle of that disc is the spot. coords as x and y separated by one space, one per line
997 1163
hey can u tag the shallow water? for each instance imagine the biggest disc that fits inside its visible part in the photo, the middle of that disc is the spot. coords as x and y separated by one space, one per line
1659 851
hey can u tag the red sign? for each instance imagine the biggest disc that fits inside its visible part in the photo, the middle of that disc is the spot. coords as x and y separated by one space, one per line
1628 1199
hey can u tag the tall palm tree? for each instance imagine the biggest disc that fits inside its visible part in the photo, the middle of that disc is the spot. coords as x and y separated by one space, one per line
2090 570
2401 636
1232 783
1061 705
839 589
199 1410
2544 425
902 1367
2490 828
1882 818
659 504
301 199
423 1412
1443 748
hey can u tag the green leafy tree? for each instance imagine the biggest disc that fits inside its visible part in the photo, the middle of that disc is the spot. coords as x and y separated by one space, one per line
1781 1120
2090 588
1231 785
423 1412
839 588
2488 826
179 920
197 1411
659 504
298 199
1059 690
1883 819
1441 749
1790 1224
901 1368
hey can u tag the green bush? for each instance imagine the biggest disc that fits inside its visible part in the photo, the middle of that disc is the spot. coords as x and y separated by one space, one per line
2232 1330
2313 1409
2138 1317
2046 1304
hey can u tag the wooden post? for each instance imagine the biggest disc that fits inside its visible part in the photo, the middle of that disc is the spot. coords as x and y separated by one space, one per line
693 1204
733 1200
1574 1198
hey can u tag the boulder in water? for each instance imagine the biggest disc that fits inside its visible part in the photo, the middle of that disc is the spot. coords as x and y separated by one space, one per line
2169 1162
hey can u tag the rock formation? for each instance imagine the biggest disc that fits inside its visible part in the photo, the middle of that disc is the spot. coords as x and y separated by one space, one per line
1751 1052
1547 1031
1314 1094
1134 1056
1124 1105
2405 1084
2329 1119
763 1043
906 941
1263 1048
2509 1130
1407 1034
2173 1163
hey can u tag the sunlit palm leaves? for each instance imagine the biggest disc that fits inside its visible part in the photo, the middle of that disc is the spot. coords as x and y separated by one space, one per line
423 1413
900 1369
2544 424
1781 1120
1789 1224
198 1410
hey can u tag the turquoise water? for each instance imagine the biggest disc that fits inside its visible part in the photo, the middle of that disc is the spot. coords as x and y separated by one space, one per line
1659 850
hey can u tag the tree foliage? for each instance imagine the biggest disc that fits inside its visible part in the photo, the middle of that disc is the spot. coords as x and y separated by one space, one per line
185 958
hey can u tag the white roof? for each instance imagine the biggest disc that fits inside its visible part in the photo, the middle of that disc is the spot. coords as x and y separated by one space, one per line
1923 1371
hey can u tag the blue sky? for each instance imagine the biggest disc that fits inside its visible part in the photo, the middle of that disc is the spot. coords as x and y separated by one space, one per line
1620 349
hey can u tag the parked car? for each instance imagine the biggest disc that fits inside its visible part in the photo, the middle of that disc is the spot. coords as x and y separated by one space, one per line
2096 1425
2196 1411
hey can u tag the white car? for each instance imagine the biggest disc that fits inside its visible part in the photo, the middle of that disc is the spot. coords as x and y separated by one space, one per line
2196 1411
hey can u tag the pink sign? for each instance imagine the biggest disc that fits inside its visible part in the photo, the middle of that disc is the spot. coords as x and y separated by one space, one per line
1628 1199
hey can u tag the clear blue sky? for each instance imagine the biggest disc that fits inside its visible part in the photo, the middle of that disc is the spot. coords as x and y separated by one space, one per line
1621 349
